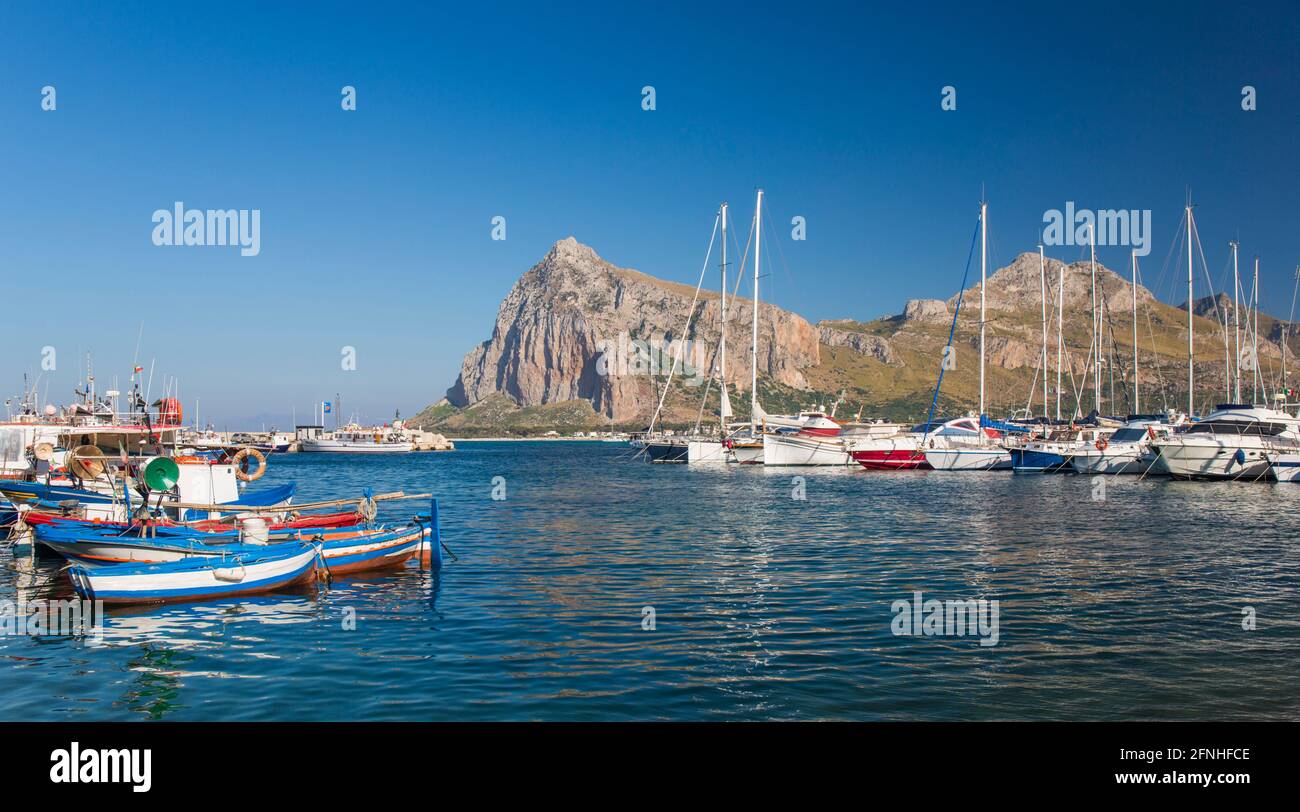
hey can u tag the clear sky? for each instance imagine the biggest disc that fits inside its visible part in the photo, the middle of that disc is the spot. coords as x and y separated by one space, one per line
376 223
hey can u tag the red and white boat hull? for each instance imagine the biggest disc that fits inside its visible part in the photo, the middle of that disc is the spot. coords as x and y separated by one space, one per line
892 454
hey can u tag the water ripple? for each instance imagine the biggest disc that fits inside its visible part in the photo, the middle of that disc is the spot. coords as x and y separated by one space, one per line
765 606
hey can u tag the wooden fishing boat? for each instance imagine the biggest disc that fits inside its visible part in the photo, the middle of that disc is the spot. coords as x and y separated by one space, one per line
321 520
344 550
246 573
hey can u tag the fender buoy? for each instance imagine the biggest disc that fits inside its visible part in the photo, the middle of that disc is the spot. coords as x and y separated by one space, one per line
1101 444
240 461
367 509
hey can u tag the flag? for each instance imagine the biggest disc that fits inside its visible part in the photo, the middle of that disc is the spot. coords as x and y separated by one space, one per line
327 407
138 370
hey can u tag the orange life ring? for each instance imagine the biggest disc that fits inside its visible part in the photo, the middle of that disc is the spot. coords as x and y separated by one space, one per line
1101 444
240 461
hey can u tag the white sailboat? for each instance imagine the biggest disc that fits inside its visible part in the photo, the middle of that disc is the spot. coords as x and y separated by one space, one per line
1131 449
714 450
667 447
1235 441
958 451
746 445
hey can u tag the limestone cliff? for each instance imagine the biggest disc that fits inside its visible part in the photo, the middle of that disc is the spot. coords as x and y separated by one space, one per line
573 307
579 342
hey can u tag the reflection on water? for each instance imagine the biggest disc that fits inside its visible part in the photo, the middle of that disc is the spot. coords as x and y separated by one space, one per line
766 605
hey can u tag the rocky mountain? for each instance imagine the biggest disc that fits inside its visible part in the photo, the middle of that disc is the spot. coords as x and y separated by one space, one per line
580 342
575 327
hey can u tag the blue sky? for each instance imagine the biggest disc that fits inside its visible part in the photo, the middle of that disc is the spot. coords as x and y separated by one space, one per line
376 223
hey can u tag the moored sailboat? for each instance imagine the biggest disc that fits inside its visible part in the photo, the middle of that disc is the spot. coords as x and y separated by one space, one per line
966 445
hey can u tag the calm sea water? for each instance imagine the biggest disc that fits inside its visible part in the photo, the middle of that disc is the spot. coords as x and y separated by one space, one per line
765 606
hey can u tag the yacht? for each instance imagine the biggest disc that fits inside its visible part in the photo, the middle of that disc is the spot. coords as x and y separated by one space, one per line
353 439
1051 453
1128 451
899 451
1234 441
815 441
964 445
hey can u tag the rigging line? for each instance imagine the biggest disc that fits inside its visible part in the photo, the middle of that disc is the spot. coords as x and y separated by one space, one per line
740 272
1114 361
1164 269
699 417
677 356
1205 269
1151 333
1286 334
961 291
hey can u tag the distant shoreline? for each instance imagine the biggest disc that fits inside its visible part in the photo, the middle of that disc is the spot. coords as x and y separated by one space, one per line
533 440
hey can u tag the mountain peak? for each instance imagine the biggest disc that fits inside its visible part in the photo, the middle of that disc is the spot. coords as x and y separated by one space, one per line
1019 285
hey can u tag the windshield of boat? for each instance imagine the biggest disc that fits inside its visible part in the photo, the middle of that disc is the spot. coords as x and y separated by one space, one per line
1259 429
1129 435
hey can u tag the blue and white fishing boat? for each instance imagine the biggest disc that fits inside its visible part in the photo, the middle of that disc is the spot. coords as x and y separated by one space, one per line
8 512
344 550
100 504
244 573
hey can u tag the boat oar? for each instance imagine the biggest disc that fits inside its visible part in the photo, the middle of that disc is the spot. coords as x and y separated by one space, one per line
237 508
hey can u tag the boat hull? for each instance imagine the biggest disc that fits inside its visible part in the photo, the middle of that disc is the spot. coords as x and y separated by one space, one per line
706 451
1112 461
895 459
342 552
343 557
749 452
197 580
799 449
1028 460
1212 459
341 447
1285 467
968 459
663 451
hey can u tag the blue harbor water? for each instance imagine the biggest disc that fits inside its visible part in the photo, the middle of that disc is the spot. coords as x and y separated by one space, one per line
765 606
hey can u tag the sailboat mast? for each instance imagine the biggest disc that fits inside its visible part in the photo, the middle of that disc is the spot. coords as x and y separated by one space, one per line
1255 373
722 344
984 251
1042 292
1236 324
1137 403
1060 336
1191 400
1096 323
1287 335
753 350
